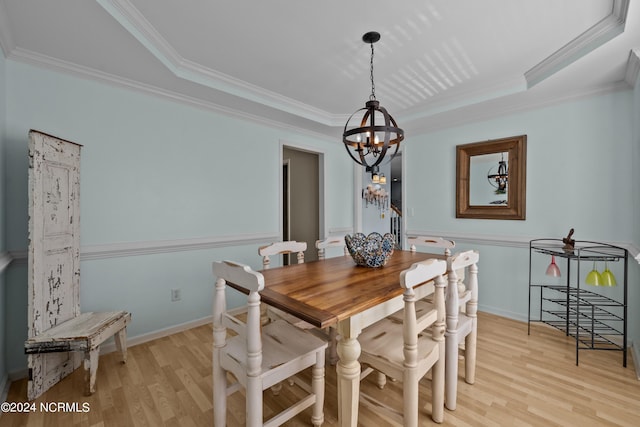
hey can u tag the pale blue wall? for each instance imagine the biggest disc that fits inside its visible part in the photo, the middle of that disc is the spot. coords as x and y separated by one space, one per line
581 164
151 170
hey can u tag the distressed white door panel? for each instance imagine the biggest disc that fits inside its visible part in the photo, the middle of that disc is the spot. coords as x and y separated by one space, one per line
54 241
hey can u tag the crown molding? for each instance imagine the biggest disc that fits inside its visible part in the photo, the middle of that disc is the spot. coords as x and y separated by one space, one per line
633 68
608 28
506 106
65 67
135 23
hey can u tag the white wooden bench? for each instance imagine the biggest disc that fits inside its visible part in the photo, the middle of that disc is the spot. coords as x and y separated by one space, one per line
85 333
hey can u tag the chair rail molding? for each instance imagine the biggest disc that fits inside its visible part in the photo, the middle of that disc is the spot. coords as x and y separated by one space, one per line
124 249
506 241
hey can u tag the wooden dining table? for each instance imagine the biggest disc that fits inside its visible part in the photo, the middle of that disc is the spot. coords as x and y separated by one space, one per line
336 292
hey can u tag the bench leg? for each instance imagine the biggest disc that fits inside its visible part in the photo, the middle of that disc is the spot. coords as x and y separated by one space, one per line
121 343
90 370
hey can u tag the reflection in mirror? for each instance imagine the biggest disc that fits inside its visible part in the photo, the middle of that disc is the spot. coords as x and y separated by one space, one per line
489 179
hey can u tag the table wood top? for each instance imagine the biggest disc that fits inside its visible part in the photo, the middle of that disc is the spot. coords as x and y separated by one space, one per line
327 291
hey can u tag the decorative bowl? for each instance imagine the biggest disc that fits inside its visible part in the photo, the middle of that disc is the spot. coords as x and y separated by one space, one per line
370 251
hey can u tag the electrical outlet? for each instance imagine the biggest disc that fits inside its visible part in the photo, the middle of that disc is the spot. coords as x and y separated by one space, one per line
175 294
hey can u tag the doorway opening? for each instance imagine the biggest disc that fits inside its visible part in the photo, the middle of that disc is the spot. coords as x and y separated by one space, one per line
301 199
385 217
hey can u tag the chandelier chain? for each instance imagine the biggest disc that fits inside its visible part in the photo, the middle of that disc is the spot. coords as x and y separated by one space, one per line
372 97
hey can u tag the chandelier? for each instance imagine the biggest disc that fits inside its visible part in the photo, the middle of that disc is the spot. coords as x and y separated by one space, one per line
368 139
500 178
377 196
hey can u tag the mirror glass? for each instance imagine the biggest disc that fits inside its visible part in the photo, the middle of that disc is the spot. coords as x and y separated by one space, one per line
488 185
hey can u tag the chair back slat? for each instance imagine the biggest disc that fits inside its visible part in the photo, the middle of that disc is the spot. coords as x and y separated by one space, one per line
421 272
282 248
239 274
331 242
430 241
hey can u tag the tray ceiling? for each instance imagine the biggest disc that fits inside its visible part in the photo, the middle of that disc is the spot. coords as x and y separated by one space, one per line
304 64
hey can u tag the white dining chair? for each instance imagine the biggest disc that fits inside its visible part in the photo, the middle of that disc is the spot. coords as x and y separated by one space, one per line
402 351
285 247
322 246
462 308
297 248
424 305
462 322
260 357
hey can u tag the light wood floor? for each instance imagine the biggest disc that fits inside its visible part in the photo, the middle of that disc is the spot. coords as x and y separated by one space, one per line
521 381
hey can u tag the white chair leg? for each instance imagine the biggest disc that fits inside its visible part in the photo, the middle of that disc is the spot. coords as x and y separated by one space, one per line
381 379
410 398
451 373
470 357
317 386
253 404
91 358
219 392
438 390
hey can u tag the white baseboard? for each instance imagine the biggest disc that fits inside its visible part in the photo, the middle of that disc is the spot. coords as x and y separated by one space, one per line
503 313
110 346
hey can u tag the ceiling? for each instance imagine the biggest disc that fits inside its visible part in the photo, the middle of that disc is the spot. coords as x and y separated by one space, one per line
303 64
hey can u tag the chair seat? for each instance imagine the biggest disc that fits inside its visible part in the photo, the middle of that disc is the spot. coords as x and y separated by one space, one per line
465 325
425 312
382 344
282 344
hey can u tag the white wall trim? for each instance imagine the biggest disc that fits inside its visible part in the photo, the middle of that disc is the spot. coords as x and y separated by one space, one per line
124 12
58 65
323 214
339 231
633 68
115 250
506 241
606 29
110 346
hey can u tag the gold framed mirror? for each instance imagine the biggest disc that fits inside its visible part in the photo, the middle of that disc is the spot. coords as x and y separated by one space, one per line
491 179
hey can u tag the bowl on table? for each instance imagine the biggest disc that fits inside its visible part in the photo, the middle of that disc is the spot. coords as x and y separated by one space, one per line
370 251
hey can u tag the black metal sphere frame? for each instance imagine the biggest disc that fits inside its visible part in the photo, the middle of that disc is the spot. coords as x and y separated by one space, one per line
366 144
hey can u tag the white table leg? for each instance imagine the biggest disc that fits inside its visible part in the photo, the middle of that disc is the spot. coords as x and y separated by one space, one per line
348 375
